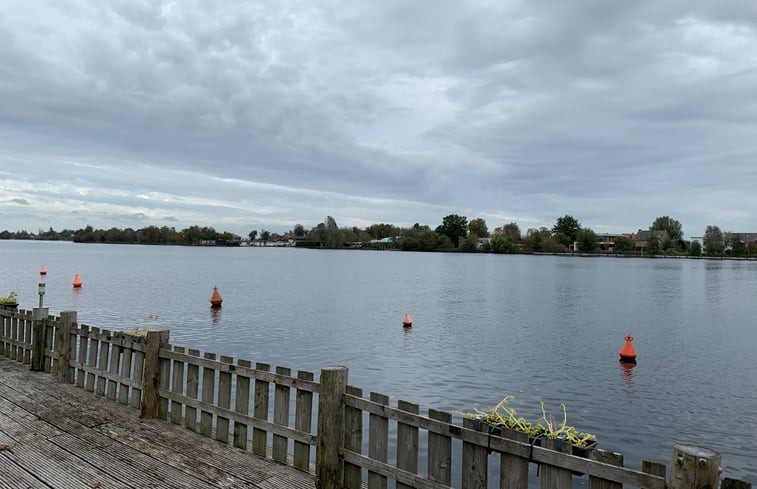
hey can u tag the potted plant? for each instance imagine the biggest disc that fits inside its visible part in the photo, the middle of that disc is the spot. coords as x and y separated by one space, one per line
581 443
502 416
9 301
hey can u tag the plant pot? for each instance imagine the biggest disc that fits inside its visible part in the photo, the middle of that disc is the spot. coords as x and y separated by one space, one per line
584 451
9 306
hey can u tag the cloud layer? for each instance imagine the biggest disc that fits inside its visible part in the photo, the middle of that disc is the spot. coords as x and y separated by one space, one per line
247 114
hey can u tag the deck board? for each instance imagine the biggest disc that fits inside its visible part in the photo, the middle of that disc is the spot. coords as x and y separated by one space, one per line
61 436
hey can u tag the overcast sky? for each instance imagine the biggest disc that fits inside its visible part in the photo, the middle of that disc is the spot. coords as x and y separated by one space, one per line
264 114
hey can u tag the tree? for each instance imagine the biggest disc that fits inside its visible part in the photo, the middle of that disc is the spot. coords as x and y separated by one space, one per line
503 244
672 226
653 244
265 235
454 227
299 231
714 245
623 244
587 241
567 225
736 245
478 227
511 231
695 249
253 234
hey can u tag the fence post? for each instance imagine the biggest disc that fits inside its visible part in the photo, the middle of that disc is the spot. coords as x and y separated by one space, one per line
329 458
63 346
694 468
39 317
151 377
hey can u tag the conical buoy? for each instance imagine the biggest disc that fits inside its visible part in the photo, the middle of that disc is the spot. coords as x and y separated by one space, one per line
216 299
77 281
627 353
43 270
407 322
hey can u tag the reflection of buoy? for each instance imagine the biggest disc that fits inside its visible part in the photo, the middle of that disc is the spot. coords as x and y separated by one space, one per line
627 353
43 270
407 322
216 299
77 281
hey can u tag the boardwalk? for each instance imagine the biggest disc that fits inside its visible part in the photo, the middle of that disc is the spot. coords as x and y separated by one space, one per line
59 436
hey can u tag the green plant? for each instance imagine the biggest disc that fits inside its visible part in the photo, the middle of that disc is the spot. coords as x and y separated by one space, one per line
146 325
504 416
11 298
551 428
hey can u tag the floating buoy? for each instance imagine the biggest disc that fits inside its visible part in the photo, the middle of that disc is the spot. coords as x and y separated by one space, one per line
77 281
216 299
407 322
627 353
43 270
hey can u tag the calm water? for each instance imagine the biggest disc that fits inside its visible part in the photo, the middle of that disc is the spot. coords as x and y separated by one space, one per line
485 326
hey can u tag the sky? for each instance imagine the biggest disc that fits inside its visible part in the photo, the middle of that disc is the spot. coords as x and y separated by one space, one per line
264 114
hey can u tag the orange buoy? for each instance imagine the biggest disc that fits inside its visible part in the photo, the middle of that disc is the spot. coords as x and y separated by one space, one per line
407 322
43 270
627 353
216 299
77 281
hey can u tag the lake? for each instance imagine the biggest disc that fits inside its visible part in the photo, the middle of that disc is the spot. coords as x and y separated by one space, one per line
485 326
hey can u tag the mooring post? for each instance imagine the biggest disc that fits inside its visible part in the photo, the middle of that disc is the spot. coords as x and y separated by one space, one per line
63 347
694 468
151 377
39 320
329 458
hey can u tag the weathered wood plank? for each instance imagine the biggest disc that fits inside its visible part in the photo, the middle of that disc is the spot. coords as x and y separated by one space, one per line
329 461
92 359
281 416
353 440
135 400
102 364
440 451
177 386
303 422
113 366
474 460
608 458
208 396
242 406
694 468
193 381
513 469
554 477
224 401
126 358
164 381
151 373
378 440
260 411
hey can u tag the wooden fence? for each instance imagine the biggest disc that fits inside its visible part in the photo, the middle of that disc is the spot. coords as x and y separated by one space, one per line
324 427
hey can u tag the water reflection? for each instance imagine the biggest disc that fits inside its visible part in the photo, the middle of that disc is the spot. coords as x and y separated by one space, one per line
215 315
627 368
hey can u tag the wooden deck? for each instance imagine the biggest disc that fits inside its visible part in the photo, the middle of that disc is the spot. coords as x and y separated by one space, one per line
60 436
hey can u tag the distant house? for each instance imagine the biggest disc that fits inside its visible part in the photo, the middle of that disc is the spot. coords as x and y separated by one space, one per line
606 241
641 238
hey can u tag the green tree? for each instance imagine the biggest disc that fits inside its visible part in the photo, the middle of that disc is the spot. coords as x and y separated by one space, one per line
738 247
511 231
381 231
695 249
454 227
567 225
478 227
623 244
503 244
299 231
672 226
265 235
653 244
587 241
714 244
253 234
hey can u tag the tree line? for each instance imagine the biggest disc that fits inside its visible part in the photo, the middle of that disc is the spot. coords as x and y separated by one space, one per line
455 233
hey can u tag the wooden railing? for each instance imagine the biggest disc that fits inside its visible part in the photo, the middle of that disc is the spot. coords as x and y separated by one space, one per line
325 427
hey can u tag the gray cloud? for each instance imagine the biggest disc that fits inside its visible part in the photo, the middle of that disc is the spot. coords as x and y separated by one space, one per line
268 114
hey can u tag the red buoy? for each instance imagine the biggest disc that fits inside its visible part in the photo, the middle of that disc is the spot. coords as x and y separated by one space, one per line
77 281
627 353
216 299
407 321
43 270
